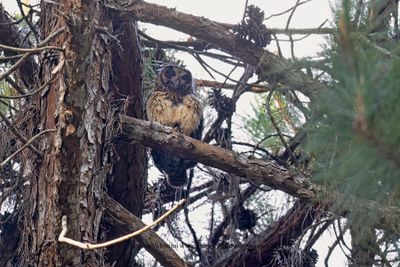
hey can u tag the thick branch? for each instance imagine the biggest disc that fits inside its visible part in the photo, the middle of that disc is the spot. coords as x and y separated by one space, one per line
155 245
269 65
256 171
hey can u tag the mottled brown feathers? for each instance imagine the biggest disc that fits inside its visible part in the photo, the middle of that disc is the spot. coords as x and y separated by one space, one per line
173 103
183 112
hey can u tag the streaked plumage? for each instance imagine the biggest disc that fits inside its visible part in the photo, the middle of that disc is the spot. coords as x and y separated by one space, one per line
173 103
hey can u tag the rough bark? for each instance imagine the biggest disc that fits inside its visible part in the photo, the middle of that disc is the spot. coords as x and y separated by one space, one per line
254 170
71 176
155 245
127 184
270 66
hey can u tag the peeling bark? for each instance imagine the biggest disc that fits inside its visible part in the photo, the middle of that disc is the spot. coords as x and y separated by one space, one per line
71 177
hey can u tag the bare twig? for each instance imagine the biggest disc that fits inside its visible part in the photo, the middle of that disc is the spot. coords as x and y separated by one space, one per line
17 88
175 45
88 246
15 66
276 126
255 88
24 146
307 31
29 22
314 238
6 103
29 50
193 232
331 249
29 94
339 238
51 36
292 13
288 10
9 58
19 135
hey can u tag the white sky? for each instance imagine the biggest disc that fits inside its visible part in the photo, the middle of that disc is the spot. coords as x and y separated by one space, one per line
309 15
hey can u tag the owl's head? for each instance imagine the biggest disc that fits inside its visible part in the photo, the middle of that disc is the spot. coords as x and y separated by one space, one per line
176 79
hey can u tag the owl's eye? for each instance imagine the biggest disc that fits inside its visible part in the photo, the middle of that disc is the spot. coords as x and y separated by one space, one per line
187 77
169 72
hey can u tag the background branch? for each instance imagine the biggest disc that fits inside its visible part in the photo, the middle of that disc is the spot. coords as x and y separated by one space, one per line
269 65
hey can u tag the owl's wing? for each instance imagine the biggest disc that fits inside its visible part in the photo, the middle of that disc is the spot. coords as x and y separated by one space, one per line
197 133
174 167
188 116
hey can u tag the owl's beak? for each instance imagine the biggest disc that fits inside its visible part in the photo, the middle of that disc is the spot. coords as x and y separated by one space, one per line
175 82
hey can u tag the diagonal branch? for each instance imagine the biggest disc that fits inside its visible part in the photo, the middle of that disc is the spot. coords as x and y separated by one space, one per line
19 135
24 146
269 66
256 171
155 245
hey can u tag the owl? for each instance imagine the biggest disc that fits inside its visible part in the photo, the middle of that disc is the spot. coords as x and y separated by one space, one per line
173 103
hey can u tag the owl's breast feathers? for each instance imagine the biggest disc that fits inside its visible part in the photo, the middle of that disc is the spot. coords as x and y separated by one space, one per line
182 112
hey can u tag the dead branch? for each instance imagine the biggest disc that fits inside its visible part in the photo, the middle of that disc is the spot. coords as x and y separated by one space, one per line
154 244
41 88
16 132
254 88
307 31
28 50
24 146
89 246
15 66
9 35
269 65
219 230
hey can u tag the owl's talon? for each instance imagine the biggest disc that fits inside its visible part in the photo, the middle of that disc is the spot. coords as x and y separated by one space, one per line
177 129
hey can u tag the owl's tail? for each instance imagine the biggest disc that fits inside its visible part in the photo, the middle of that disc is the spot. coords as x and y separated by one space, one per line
178 179
172 166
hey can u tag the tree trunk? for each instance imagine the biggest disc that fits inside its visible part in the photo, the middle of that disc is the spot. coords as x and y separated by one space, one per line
80 157
128 181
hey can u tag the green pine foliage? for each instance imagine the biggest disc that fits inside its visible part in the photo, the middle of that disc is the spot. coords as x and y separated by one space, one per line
354 133
259 124
353 127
